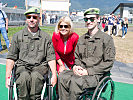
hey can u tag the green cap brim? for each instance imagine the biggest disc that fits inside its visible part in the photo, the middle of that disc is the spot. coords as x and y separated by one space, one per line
32 10
92 11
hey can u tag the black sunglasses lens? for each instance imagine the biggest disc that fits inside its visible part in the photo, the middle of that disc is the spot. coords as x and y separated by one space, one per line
61 26
34 17
65 26
91 19
85 19
28 17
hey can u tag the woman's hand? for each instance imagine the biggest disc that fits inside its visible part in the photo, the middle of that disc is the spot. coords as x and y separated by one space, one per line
62 68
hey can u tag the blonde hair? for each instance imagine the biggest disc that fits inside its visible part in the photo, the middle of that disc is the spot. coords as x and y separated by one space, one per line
67 20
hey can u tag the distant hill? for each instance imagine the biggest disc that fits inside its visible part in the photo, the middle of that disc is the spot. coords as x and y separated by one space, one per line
106 6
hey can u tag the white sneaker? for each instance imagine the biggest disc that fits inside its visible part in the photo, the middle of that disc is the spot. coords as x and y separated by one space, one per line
116 35
123 37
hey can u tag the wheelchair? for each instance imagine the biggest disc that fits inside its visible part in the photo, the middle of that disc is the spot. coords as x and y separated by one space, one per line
46 91
103 91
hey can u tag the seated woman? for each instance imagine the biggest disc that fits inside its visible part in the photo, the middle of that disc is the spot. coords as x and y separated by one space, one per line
64 41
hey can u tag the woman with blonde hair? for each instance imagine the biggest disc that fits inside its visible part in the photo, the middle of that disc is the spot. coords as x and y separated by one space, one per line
64 41
124 27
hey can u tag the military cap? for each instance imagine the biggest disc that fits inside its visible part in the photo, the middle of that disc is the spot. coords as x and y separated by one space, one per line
32 10
92 11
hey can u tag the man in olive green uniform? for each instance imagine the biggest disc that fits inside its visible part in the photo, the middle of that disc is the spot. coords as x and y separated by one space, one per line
94 56
32 51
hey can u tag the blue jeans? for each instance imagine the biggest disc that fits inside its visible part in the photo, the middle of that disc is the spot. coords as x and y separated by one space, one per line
4 34
124 31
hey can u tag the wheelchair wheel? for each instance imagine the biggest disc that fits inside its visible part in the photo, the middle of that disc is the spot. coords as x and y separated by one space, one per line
104 90
12 92
47 92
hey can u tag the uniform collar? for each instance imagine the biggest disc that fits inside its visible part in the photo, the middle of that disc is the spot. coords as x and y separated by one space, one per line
37 35
96 36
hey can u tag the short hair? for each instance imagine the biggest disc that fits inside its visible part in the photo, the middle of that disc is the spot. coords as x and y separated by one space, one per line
67 20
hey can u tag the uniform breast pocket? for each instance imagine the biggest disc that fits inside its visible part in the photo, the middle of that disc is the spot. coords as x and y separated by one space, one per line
91 50
24 46
82 51
40 50
97 50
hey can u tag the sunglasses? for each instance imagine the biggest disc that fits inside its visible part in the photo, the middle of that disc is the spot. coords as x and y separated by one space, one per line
65 26
91 19
29 17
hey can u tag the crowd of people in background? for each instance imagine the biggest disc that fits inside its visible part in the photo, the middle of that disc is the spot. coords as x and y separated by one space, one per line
49 18
113 24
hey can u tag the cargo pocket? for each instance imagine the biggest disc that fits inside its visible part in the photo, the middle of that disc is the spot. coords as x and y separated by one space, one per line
82 51
91 50
90 81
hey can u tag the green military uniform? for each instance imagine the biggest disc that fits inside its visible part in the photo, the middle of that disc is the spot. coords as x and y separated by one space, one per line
96 54
31 54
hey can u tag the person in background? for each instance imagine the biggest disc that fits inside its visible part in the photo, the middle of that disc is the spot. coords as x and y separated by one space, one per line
31 51
119 20
64 41
124 25
114 28
99 22
110 23
94 57
43 18
4 29
104 20
106 24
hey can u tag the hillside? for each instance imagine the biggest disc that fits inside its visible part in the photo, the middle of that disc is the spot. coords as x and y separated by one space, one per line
106 6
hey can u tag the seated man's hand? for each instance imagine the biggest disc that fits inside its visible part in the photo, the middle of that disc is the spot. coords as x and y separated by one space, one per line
7 82
54 80
84 72
78 70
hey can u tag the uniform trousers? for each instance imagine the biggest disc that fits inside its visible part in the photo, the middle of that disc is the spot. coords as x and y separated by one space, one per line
70 86
29 84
